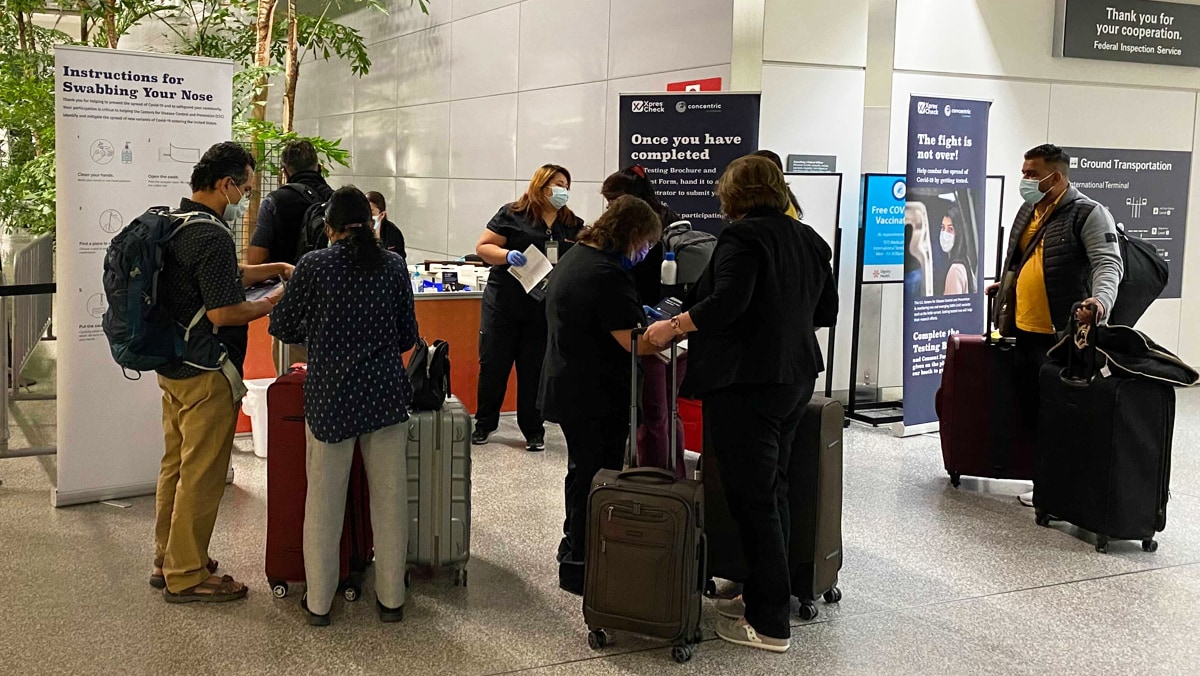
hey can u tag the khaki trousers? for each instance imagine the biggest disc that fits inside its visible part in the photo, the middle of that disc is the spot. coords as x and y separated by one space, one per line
199 420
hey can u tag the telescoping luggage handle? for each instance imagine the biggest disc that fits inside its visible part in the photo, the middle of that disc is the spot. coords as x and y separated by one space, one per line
650 474
1083 347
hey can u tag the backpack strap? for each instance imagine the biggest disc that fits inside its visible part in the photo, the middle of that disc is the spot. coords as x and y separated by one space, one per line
192 217
304 191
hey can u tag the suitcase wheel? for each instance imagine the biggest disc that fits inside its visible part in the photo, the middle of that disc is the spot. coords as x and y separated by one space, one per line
460 577
597 639
955 479
808 611
1043 519
833 595
1149 545
352 593
1102 544
279 588
681 653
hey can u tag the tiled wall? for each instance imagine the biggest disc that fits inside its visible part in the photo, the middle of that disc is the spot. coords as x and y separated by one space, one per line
461 106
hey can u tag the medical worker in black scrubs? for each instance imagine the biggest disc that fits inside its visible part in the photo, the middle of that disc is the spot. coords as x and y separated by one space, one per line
512 326
592 306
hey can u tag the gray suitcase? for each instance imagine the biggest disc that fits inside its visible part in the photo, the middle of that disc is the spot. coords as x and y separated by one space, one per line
439 490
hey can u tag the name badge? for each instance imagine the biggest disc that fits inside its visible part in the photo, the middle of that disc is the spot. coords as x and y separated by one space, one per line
552 252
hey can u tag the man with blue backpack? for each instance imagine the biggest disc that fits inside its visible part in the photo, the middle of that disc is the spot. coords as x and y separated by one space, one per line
177 306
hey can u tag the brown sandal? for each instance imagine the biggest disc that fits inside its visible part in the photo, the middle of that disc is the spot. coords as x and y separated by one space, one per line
216 590
159 581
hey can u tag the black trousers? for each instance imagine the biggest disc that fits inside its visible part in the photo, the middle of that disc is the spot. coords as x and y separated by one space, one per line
592 445
1030 355
752 429
507 337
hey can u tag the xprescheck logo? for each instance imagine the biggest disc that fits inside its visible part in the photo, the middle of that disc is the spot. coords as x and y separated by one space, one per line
927 108
642 106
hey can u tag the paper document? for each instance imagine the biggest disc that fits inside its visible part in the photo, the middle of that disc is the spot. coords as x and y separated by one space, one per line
536 268
680 349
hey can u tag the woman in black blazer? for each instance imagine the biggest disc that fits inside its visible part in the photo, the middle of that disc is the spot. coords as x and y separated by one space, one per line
389 234
754 360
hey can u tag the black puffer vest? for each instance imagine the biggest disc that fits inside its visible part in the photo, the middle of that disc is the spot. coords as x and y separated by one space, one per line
1065 263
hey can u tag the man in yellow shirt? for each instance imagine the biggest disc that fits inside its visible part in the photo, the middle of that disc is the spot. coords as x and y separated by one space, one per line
1063 249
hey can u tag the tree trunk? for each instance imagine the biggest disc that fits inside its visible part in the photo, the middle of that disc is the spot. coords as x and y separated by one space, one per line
110 23
291 68
22 40
83 29
265 25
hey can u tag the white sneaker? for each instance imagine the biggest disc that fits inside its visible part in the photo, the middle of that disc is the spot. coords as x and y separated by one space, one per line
734 608
1026 499
741 633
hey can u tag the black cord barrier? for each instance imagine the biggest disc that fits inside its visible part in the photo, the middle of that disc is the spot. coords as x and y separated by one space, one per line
27 289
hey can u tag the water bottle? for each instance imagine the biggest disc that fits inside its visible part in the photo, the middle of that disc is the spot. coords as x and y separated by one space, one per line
416 282
667 276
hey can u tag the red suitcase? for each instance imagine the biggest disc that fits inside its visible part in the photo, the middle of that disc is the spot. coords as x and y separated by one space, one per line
983 430
691 414
286 490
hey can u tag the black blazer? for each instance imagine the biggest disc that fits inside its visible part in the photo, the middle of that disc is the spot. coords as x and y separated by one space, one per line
392 239
767 288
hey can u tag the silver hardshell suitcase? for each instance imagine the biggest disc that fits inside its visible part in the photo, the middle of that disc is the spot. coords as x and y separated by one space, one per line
439 490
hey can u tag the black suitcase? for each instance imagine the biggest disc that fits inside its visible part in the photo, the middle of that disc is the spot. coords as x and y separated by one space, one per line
815 498
645 547
1104 450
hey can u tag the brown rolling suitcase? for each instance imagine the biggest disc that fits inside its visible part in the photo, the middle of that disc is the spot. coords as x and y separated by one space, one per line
815 498
646 552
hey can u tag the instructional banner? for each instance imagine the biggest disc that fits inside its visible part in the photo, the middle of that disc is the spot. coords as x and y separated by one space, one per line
1147 193
944 209
685 141
130 127
883 227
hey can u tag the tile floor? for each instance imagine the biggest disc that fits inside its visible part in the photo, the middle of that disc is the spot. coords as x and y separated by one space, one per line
936 581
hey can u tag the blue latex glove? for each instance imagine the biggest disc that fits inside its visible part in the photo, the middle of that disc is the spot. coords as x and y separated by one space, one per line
516 259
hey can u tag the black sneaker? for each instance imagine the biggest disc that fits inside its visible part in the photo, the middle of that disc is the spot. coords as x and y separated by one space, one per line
480 437
389 614
536 445
314 620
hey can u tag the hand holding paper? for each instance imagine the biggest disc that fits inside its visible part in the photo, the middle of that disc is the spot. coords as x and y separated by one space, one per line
536 267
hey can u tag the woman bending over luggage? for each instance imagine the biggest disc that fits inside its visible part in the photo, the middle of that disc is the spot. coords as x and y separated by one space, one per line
753 360
352 305
512 324
654 434
591 309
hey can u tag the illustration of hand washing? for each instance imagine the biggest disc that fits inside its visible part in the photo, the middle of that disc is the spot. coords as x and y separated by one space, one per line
174 153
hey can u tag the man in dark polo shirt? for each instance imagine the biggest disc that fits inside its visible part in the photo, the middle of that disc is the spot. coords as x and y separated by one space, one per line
202 287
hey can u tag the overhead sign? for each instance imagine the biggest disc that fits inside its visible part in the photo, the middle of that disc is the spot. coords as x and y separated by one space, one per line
1147 193
1140 31
685 141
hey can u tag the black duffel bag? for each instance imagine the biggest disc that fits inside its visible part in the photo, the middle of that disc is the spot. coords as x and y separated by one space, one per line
1145 277
1122 352
429 372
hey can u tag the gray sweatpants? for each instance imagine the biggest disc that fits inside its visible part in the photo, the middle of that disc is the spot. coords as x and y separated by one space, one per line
328 465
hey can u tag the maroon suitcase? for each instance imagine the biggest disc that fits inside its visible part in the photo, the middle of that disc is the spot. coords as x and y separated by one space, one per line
287 487
983 430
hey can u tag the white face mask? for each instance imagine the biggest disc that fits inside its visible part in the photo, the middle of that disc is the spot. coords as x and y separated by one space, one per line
947 241
235 210
376 218
559 196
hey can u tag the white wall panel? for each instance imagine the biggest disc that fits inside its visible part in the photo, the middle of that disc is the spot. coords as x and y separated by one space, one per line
1116 117
1008 38
375 143
563 43
816 32
340 127
484 54
1189 322
420 207
642 84
586 200
377 89
664 35
472 205
483 138
461 9
423 141
401 18
564 125
423 67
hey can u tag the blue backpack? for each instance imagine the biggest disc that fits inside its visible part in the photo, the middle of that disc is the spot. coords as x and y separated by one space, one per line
141 334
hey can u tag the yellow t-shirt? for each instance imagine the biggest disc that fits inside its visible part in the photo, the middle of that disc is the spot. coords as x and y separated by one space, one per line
1033 304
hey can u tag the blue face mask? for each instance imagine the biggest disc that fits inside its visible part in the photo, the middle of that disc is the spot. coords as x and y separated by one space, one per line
629 262
559 196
